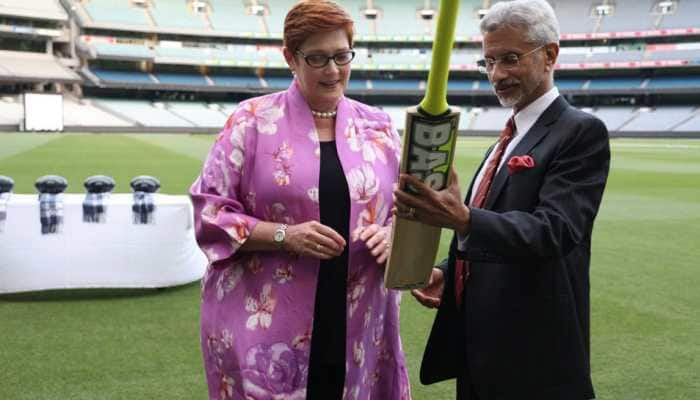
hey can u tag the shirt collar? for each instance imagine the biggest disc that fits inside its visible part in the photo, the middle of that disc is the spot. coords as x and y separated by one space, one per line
526 118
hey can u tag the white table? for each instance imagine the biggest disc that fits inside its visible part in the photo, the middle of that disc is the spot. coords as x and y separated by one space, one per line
116 254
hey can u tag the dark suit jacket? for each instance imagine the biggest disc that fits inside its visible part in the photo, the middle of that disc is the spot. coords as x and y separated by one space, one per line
523 332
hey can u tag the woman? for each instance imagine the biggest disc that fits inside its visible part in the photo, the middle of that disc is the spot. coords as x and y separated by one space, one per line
292 211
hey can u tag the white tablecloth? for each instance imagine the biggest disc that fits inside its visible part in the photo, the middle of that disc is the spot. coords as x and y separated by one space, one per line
115 254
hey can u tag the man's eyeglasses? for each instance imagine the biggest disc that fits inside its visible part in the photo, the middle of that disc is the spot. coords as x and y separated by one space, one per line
508 61
321 60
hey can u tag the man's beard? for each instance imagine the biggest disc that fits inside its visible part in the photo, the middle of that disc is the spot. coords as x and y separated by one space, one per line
512 100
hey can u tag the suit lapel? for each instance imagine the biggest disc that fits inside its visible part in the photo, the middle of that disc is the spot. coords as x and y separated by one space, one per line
533 136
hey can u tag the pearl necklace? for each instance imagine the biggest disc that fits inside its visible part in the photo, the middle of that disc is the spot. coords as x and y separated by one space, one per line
324 114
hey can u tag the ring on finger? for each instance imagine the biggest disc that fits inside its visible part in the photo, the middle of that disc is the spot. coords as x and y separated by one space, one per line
318 247
411 212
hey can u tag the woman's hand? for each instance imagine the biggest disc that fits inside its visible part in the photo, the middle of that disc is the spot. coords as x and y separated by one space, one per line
378 241
313 239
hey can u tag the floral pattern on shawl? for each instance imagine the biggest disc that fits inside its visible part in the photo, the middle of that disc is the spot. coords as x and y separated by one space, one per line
372 138
275 372
257 311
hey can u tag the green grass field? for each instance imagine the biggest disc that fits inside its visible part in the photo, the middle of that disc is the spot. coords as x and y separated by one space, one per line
143 344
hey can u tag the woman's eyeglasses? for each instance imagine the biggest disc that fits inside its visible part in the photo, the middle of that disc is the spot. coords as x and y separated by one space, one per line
321 60
508 61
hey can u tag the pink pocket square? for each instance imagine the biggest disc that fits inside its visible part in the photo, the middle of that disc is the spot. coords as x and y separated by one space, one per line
519 163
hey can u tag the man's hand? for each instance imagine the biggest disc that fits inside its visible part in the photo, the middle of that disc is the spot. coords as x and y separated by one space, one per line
431 295
445 208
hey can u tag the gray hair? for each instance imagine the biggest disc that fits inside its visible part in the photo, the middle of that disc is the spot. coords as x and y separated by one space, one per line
535 16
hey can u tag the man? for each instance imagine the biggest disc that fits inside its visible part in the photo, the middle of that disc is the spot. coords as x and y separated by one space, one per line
513 296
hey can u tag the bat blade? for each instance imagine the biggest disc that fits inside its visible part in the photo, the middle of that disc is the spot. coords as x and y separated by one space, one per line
428 152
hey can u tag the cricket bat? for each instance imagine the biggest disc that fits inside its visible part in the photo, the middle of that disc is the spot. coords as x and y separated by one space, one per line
428 150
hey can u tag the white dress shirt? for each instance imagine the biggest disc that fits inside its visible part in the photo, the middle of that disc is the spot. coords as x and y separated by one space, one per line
524 120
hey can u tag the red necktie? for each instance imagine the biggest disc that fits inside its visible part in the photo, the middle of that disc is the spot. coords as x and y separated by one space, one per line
462 265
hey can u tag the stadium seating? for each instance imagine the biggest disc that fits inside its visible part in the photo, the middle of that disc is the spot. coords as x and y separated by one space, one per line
277 12
116 12
614 83
181 79
659 119
278 83
615 56
628 15
396 84
175 14
692 55
33 67
468 20
686 16
85 114
491 119
398 18
236 81
144 113
228 108
46 9
461 85
674 82
118 51
569 84
124 76
230 16
614 117
574 16
691 125
199 114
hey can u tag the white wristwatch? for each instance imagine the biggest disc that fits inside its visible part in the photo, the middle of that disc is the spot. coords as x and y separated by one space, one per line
280 233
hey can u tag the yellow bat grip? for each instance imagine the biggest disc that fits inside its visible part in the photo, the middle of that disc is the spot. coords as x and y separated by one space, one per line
435 100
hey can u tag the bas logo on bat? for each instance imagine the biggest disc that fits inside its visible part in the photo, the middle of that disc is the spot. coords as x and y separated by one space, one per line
431 148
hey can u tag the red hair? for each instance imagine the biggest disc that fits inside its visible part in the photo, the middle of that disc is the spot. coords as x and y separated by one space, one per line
309 17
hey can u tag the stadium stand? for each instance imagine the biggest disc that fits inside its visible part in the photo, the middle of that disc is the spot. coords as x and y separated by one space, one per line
229 16
614 84
40 9
118 51
124 76
489 119
675 82
469 18
82 114
627 15
175 14
658 119
200 114
615 117
691 125
575 16
685 16
185 70
120 12
33 67
145 113
181 79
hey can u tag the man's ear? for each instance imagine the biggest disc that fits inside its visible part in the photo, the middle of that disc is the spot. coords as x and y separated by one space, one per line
552 53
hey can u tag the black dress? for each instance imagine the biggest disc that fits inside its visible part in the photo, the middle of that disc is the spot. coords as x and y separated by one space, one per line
327 361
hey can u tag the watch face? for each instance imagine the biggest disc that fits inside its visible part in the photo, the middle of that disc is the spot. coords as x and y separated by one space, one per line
279 236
